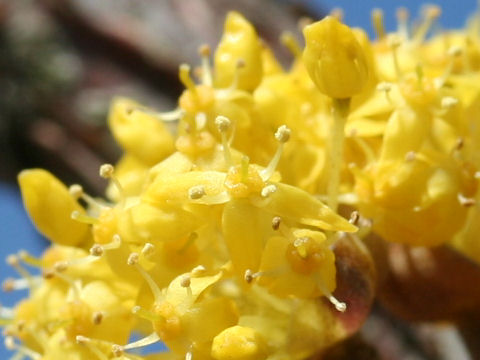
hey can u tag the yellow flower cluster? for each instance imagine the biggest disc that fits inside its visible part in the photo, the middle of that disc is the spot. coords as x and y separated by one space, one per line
215 239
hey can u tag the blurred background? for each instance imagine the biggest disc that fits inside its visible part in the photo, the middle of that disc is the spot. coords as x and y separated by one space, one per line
61 62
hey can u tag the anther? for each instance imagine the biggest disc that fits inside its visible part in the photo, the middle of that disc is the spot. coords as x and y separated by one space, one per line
82 340
196 192
97 250
106 171
410 156
303 22
198 271
282 134
97 317
117 350
402 19
186 281
76 191
276 221
132 259
204 50
60 266
223 123
48 274
248 276
448 102
465 201
340 306
8 285
337 13
354 217
148 250
268 190
13 260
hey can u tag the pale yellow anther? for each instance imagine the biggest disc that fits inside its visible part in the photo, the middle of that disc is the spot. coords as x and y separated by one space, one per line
106 171
117 350
97 317
340 306
148 250
198 271
448 102
133 259
337 13
8 285
97 250
9 343
283 134
82 340
186 281
410 156
465 201
60 266
196 192
455 51
276 221
204 50
223 123
394 41
354 217
433 11
248 276
402 14
268 190
13 260
384 86
76 191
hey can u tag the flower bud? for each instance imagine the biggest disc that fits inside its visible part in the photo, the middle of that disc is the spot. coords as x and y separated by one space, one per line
334 59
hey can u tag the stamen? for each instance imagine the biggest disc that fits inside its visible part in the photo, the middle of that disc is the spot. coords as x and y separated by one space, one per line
20 284
385 87
78 216
377 20
29 259
77 192
196 192
14 261
466 202
249 275
11 345
402 21
107 172
394 42
453 53
282 135
133 261
87 342
268 190
189 355
431 14
223 125
148 340
340 306
289 41
185 78
204 51
276 221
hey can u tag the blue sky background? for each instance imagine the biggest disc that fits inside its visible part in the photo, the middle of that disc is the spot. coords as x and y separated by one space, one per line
16 229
